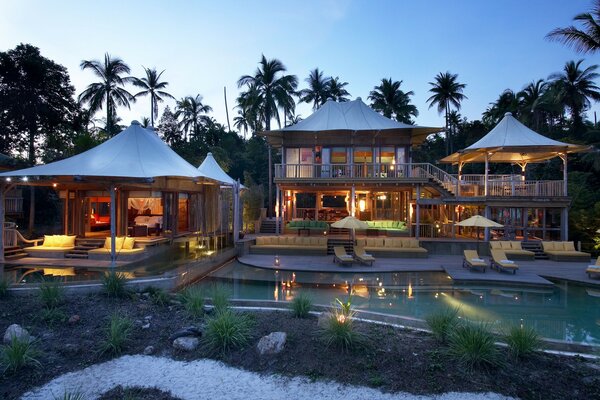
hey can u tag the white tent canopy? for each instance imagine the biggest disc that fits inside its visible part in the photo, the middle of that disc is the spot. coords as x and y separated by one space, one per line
353 116
512 142
211 169
134 153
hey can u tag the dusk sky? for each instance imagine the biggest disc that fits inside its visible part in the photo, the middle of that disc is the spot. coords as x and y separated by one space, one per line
206 45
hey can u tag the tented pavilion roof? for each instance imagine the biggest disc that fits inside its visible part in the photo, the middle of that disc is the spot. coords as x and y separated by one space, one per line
512 142
211 169
135 153
351 116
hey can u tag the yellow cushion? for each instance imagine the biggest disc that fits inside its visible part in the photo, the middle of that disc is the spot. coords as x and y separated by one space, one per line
569 246
361 242
128 243
504 245
68 241
495 245
413 243
118 243
559 246
49 241
548 246
515 245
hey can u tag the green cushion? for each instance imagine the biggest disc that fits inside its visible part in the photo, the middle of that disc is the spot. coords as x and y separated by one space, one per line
378 224
322 224
370 224
388 224
312 224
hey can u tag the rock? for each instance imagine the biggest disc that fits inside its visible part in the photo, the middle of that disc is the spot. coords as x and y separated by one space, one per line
324 317
70 349
148 318
188 331
186 343
148 350
143 306
18 332
74 319
146 295
146 325
273 343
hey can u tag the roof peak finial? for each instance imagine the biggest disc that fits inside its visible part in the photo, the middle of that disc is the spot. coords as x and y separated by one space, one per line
135 122
508 114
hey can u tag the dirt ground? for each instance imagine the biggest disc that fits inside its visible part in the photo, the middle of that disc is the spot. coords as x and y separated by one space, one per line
390 359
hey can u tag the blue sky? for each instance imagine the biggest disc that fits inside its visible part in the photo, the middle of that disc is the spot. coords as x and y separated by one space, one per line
206 45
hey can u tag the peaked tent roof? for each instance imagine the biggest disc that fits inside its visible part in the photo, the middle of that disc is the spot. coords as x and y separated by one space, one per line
211 169
134 153
512 142
352 116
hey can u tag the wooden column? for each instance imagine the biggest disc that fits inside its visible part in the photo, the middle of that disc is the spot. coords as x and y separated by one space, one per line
418 211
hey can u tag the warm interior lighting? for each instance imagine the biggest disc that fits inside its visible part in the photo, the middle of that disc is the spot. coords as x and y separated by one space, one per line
410 291
362 205
277 261
54 185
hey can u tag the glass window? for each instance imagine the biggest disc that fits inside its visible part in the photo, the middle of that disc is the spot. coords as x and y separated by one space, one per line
292 156
338 155
363 155
387 155
401 155
306 156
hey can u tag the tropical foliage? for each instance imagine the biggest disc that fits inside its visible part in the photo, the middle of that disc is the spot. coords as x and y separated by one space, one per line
585 39
153 87
392 102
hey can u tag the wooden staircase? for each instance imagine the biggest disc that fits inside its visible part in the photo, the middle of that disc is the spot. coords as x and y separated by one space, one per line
14 253
339 231
536 247
268 226
347 243
83 245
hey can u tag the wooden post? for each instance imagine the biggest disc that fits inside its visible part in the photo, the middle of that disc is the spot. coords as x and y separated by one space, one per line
113 227
418 211
485 180
352 202
2 195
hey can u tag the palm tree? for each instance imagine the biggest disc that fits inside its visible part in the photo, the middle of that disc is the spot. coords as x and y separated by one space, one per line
152 86
250 112
574 88
145 122
393 102
447 92
531 101
110 88
318 89
585 40
192 112
337 91
506 102
274 90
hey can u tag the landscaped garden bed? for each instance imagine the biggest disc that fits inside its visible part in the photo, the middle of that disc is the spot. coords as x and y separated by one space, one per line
74 336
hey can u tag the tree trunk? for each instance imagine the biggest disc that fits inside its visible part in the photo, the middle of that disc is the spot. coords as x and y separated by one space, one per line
270 209
151 110
31 157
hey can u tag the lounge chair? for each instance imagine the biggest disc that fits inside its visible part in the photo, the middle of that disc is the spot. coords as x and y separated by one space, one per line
473 261
501 263
341 256
361 255
594 270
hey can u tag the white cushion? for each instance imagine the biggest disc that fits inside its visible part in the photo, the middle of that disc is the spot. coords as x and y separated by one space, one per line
477 260
507 261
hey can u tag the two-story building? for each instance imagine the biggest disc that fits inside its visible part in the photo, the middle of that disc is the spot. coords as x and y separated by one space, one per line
346 159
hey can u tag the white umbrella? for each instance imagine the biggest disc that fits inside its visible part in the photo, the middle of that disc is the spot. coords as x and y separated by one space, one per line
351 223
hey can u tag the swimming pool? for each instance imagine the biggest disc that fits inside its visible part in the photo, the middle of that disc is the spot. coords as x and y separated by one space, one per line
566 311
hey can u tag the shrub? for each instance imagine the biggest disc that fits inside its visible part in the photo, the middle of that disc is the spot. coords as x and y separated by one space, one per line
301 305
3 288
473 345
51 294
114 284
76 395
53 315
220 298
158 295
443 323
18 354
227 330
117 335
193 301
339 330
522 341
345 306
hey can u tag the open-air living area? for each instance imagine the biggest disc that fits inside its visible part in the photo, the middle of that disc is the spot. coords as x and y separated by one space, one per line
404 206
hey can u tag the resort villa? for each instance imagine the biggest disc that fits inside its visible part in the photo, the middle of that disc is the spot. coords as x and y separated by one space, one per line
346 159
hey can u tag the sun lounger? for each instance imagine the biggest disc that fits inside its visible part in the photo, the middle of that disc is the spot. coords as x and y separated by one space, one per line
501 263
472 261
594 270
341 256
362 256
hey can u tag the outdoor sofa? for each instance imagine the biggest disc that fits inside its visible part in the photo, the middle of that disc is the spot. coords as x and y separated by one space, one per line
53 246
390 228
512 249
393 247
318 226
124 247
564 251
290 245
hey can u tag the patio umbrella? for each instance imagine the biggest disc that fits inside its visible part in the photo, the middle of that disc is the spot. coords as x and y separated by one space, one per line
351 223
479 222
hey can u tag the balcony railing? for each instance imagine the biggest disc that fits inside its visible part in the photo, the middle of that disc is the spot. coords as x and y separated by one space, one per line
467 186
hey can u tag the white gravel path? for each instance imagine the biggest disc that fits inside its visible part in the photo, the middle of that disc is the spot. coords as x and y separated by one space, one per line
207 379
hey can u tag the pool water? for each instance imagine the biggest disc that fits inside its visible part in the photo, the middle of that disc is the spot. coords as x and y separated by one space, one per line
566 311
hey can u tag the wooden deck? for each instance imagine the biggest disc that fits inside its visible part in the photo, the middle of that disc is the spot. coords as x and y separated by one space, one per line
530 273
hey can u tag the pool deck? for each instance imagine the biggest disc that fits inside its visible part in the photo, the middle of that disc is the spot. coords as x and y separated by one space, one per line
530 273
62 262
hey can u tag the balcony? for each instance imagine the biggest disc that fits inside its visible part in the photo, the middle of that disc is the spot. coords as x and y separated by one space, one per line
466 186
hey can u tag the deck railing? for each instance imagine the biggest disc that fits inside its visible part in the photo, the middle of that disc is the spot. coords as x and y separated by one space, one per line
10 234
468 186
13 205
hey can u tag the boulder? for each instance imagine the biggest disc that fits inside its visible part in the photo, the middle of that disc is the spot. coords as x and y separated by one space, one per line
18 332
148 350
74 319
186 343
273 343
187 331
